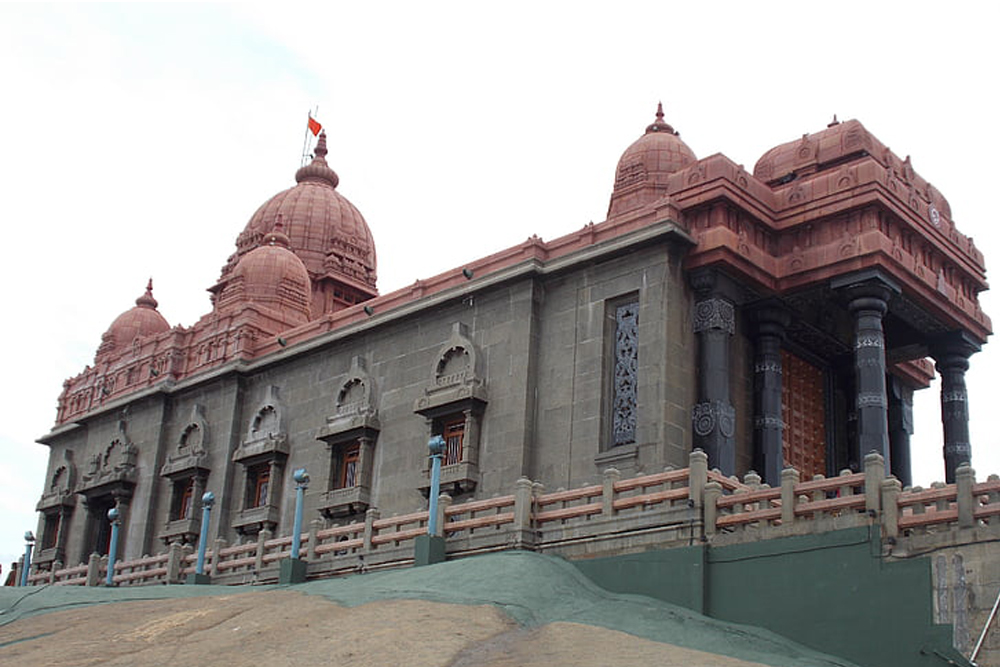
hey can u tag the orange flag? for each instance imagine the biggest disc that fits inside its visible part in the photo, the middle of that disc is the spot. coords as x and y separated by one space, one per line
314 126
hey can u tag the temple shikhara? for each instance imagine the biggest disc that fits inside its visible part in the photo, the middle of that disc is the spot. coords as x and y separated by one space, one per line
730 355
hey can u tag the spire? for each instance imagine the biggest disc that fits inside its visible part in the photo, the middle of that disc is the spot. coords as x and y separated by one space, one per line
147 300
321 145
277 234
660 125
318 171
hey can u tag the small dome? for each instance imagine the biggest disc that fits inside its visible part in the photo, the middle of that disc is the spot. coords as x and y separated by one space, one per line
273 276
141 320
646 165
325 230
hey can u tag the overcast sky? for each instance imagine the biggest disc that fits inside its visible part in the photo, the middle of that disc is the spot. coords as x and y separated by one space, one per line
137 141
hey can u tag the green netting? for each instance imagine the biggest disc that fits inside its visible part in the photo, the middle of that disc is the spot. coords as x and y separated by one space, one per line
533 589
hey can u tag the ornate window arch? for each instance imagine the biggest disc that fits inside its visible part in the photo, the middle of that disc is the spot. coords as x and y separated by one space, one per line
262 456
350 433
453 403
187 469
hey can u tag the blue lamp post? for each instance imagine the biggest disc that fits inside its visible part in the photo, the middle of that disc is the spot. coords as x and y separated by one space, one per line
115 519
29 543
293 569
207 500
430 548
301 478
436 446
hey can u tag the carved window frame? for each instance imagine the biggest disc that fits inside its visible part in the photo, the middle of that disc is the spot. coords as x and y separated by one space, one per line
456 394
352 428
265 446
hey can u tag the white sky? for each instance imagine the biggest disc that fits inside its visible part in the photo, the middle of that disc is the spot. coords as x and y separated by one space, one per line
137 141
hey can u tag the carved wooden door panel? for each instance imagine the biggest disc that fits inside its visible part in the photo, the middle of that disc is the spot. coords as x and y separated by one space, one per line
803 409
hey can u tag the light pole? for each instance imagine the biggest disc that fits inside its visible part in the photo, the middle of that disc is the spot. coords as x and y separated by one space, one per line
207 500
429 548
293 569
436 446
29 543
115 519
301 478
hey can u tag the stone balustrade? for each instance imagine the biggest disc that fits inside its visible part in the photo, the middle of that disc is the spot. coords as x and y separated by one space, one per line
669 508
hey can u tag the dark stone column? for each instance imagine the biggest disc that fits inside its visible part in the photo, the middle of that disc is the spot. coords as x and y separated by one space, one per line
952 356
769 428
713 417
869 303
900 428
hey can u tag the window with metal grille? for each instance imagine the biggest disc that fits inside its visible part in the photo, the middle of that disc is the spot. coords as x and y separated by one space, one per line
454 435
258 482
183 493
347 476
50 536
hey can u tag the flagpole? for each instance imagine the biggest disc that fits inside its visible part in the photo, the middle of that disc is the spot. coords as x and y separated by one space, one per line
305 142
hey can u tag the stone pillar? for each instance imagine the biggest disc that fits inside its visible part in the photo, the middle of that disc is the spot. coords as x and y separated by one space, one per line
769 428
713 416
868 303
952 356
900 428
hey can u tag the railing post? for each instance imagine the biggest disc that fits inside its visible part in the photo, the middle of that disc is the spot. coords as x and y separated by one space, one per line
697 477
315 526
371 516
444 502
263 536
891 488
175 554
789 478
713 490
524 535
56 566
219 545
874 474
965 477
94 570
611 475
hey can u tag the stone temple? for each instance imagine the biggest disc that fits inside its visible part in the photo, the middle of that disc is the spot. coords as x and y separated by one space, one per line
774 318
600 396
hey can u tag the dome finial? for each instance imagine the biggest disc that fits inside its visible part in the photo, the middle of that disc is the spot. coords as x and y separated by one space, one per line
660 125
321 145
147 300
277 234
834 121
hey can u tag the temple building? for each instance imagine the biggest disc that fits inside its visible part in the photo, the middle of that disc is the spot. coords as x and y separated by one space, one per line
773 318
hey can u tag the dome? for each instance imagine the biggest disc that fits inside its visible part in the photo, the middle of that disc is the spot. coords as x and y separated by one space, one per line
324 230
273 276
645 166
141 320
840 142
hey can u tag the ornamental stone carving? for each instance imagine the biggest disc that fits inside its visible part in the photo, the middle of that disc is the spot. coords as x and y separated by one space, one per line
714 313
709 415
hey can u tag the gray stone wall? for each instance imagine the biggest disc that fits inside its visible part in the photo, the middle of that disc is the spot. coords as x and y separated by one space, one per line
542 341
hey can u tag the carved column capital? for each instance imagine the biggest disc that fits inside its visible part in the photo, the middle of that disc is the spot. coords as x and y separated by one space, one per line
714 313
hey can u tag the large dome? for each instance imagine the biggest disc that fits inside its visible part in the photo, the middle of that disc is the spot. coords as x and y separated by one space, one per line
325 230
646 165
141 320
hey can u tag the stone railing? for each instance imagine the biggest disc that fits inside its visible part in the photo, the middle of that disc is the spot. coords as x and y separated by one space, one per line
661 510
